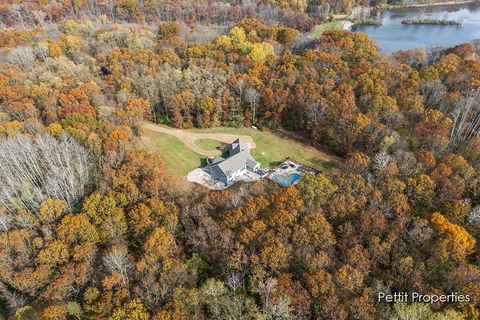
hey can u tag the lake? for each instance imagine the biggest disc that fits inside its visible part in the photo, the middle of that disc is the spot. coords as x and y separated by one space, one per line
392 35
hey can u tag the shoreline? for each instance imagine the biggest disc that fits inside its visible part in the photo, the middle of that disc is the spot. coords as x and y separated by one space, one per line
435 4
347 25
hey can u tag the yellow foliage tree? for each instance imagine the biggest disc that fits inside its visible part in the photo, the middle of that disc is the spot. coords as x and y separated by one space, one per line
52 209
260 52
454 240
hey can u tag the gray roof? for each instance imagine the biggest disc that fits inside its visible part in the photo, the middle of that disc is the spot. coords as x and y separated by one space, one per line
239 157
236 162
217 160
237 146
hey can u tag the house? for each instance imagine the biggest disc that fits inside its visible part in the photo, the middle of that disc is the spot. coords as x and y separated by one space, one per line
238 162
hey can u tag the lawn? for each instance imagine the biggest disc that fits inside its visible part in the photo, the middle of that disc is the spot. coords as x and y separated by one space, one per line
178 159
319 29
270 149
208 144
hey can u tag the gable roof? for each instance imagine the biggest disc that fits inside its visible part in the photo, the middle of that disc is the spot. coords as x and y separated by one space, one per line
217 159
239 157
236 162
236 147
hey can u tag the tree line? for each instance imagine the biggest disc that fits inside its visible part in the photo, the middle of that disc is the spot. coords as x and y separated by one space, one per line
91 227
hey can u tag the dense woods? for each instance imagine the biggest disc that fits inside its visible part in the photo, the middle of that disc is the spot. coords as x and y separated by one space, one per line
91 227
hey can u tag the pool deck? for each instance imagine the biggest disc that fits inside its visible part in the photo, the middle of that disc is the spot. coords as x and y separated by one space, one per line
285 169
288 167
204 178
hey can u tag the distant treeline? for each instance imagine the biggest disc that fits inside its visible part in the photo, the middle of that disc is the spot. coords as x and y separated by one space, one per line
444 22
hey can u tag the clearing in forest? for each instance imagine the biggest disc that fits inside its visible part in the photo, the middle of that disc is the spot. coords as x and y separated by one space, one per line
185 150
319 29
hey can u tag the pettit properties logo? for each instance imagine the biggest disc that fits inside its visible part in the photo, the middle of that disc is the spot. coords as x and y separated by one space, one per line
413 297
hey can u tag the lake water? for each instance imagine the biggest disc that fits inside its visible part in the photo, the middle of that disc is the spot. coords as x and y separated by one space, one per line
392 35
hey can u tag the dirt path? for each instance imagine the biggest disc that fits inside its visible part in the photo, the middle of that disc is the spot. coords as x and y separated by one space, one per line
189 138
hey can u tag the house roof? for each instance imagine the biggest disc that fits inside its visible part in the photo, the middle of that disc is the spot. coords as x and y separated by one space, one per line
236 162
217 160
237 146
239 157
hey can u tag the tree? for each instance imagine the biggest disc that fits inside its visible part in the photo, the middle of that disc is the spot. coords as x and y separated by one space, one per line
349 279
134 112
106 213
454 240
118 260
54 253
160 244
33 169
316 189
77 228
287 36
207 114
319 231
421 189
168 30
133 310
261 52
466 118
22 57
52 209
252 96
55 312
421 311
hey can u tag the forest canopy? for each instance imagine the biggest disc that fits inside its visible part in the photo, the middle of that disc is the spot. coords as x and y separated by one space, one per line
92 226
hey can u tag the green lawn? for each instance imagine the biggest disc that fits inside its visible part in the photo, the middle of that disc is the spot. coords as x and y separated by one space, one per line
271 148
207 144
319 29
179 160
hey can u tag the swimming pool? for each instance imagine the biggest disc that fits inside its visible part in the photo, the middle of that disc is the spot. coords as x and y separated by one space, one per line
286 180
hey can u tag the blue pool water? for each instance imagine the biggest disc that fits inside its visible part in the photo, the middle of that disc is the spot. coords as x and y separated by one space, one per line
287 180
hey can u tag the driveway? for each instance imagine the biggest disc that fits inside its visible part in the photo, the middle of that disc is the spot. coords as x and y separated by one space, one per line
189 138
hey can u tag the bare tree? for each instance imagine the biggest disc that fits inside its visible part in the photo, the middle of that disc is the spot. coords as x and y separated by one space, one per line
39 17
32 169
234 280
252 97
273 309
6 221
110 5
42 51
22 57
13 299
381 160
92 5
118 260
316 112
280 310
474 215
466 118
16 9
240 88
434 93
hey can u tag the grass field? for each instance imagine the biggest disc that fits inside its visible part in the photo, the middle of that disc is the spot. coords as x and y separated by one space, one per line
179 160
208 144
319 29
270 149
